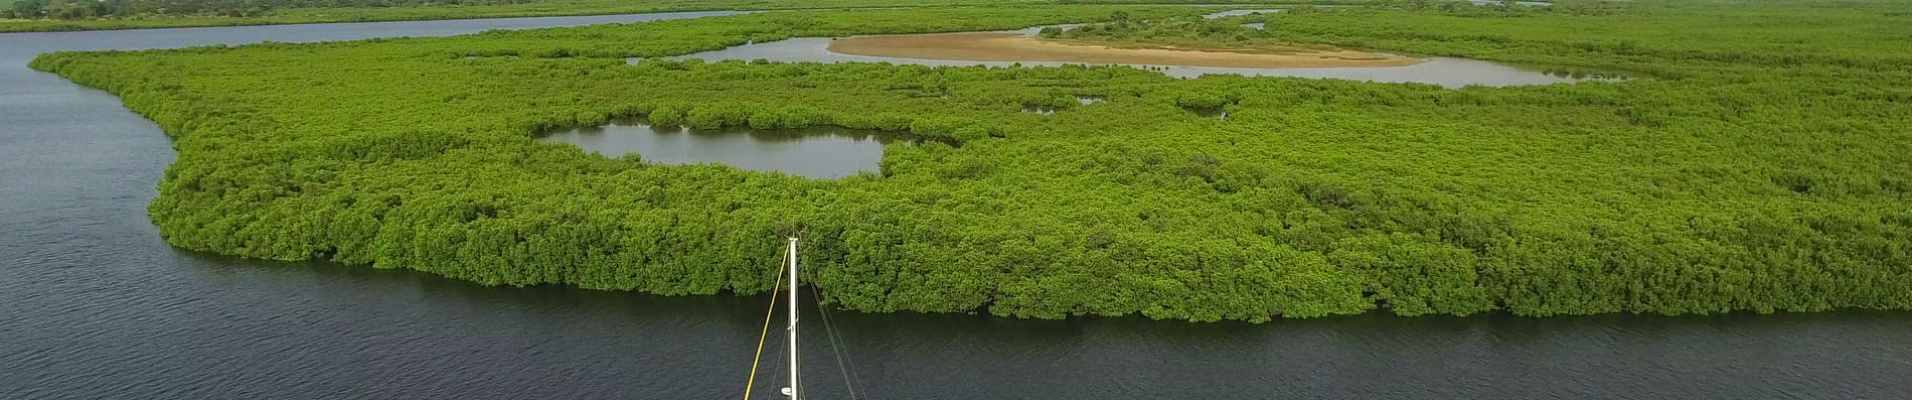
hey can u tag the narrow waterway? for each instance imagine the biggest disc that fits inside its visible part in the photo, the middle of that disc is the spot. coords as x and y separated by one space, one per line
97 306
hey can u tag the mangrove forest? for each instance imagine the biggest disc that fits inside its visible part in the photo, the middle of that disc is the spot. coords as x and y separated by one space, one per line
1747 156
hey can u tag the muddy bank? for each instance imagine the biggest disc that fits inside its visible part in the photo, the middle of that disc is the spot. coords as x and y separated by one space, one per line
999 46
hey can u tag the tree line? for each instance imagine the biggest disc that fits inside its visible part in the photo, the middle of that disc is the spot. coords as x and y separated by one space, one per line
86 9
161 11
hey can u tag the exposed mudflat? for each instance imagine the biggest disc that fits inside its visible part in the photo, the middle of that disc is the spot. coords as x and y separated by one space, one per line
1001 46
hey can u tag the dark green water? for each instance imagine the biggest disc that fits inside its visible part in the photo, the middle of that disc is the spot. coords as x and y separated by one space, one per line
94 305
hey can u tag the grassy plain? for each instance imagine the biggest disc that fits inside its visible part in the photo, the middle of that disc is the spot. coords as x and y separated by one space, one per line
530 9
418 13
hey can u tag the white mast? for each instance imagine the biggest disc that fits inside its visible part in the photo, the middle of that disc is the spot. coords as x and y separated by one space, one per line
792 390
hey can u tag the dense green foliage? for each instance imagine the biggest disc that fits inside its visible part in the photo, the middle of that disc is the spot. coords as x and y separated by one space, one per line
1760 160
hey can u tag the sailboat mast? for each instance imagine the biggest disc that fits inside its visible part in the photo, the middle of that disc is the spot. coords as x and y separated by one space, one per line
792 392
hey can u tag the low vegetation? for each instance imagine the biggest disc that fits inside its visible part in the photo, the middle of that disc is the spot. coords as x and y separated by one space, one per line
1759 159
75 15
1182 31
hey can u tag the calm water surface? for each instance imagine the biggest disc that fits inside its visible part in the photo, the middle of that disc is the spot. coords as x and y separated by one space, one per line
1444 71
822 152
97 306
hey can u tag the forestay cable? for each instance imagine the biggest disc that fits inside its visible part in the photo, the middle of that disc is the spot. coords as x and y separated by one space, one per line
761 337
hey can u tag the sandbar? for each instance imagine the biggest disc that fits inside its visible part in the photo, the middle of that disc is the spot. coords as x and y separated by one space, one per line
1016 47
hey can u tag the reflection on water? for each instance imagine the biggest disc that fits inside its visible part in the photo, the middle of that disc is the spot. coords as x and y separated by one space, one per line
1256 26
558 342
1443 71
823 152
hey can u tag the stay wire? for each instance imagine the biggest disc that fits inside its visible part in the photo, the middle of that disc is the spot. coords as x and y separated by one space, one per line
762 337
838 348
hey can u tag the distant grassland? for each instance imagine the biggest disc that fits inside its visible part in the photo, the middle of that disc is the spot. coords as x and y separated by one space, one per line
367 14
537 9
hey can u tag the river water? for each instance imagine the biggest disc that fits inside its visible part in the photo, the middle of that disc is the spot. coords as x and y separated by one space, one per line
94 305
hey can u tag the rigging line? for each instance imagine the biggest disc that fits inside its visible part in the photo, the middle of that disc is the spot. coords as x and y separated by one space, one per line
776 366
844 344
752 383
837 347
851 359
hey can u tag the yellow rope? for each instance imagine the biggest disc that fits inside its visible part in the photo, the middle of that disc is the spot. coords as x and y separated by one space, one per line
766 330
